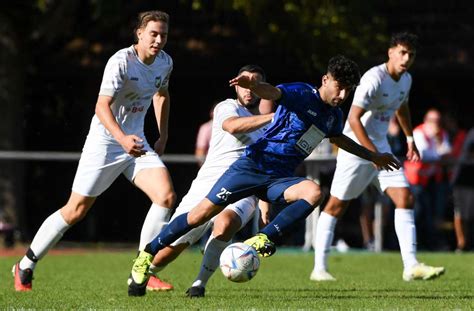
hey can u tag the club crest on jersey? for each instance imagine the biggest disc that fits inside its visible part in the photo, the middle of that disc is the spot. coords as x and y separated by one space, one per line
402 95
157 82
330 122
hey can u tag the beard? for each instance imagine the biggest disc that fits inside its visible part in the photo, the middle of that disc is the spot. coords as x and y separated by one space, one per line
253 103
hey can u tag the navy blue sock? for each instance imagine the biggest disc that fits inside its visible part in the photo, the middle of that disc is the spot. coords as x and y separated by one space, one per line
287 217
170 233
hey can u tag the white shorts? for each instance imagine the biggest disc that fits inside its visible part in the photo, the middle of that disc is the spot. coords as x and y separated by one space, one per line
352 177
244 208
97 169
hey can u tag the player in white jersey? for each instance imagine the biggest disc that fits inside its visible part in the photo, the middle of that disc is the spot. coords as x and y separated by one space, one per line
236 124
133 78
383 92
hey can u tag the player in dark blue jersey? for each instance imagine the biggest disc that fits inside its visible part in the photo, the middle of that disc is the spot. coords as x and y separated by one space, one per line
304 117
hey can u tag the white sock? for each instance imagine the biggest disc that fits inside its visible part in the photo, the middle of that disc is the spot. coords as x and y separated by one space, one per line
406 233
155 269
50 232
308 232
324 237
210 260
155 220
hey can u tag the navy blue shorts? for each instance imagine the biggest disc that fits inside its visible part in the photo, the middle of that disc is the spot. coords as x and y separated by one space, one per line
244 178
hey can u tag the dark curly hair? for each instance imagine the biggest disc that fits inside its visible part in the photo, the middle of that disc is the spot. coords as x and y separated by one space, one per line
344 71
253 69
404 38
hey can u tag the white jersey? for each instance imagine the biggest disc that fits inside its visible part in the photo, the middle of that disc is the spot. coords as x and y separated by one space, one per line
380 96
132 85
224 147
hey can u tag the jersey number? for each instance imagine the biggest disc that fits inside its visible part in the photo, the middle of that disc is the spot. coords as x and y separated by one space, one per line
223 194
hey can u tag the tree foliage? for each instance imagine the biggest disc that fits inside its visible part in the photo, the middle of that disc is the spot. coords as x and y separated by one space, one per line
312 30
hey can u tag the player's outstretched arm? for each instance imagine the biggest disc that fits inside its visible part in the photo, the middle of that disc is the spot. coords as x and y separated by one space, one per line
384 161
261 89
236 125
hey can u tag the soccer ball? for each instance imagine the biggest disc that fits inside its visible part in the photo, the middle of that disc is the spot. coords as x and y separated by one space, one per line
239 262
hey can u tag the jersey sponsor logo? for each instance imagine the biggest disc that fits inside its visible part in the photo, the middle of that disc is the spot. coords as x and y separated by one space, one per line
330 122
223 194
134 78
157 82
135 108
309 140
132 96
311 112
385 95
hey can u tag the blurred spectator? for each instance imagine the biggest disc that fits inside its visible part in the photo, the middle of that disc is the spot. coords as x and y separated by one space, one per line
427 178
456 135
463 192
8 230
8 219
204 138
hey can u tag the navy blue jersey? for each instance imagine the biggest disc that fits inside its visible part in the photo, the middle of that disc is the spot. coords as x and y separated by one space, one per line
301 121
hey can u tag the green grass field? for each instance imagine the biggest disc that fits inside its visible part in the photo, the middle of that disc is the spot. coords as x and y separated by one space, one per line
97 280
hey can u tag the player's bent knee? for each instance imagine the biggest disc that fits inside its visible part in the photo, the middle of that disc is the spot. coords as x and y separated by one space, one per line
314 195
165 199
225 228
74 213
335 207
306 190
410 200
170 199
406 201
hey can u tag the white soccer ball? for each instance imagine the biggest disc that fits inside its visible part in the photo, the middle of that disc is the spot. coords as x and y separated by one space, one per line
239 262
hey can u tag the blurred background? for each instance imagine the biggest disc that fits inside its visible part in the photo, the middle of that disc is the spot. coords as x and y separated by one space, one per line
53 53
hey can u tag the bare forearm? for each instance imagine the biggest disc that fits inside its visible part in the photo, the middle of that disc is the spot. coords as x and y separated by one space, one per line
162 107
361 134
404 119
236 125
266 91
103 112
351 146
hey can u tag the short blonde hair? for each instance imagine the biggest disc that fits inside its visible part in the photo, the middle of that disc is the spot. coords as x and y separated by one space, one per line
145 17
